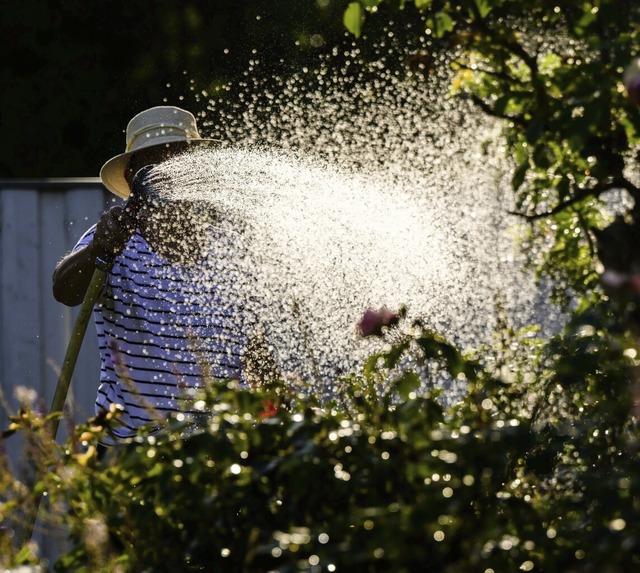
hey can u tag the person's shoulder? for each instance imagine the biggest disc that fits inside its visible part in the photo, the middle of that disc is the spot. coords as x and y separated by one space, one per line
86 237
137 248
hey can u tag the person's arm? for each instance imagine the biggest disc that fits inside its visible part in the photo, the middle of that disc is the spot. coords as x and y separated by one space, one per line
72 275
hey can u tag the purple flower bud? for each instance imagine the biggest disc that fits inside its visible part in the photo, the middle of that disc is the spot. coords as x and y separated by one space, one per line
632 81
374 321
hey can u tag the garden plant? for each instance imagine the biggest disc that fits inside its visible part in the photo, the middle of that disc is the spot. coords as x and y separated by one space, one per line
535 468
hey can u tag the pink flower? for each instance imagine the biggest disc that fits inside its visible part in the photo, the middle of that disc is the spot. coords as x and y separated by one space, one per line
374 321
632 81
614 279
621 282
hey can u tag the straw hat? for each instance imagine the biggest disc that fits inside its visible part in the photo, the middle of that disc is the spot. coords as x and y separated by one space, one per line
164 125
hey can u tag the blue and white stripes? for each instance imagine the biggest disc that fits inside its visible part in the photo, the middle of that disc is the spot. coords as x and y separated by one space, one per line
160 325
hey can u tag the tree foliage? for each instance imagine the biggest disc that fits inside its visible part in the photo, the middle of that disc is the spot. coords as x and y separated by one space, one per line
537 477
552 73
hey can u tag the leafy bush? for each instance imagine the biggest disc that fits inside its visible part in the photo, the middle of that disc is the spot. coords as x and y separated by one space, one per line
542 475
560 78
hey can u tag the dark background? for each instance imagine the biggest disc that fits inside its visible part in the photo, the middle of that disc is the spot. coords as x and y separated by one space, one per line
74 72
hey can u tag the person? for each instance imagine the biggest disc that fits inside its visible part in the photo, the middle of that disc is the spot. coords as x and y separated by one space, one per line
171 315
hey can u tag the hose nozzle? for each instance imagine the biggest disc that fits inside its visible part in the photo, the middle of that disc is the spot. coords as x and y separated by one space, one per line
145 192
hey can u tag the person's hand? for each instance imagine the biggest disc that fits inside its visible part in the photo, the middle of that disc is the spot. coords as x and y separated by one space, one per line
112 233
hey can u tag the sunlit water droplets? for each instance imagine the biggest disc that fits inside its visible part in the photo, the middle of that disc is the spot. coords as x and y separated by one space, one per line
362 187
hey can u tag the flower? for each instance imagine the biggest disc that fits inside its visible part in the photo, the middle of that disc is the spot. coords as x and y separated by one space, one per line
621 282
631 81
614 279
373 322
26 396
269 410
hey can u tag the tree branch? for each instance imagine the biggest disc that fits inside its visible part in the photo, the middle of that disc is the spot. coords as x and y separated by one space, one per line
509 43
581 194
495 73
486 108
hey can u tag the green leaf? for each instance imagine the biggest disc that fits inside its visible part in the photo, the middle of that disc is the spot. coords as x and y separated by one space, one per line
353 18
519 175
631 131
407 383
534 131
392 356
484 7
500 106
543 157
371 365
586 21
422 3
444 23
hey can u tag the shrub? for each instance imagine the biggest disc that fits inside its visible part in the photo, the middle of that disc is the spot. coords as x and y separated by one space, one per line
536 469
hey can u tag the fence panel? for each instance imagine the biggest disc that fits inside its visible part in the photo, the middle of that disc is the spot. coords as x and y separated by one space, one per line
40 221
20 299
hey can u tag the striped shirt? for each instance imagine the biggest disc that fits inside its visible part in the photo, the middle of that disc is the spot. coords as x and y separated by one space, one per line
160 325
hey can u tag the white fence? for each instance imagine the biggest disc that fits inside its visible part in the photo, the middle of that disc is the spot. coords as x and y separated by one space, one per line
40 221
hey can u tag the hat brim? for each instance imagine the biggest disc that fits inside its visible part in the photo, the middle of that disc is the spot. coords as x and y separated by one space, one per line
113 171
